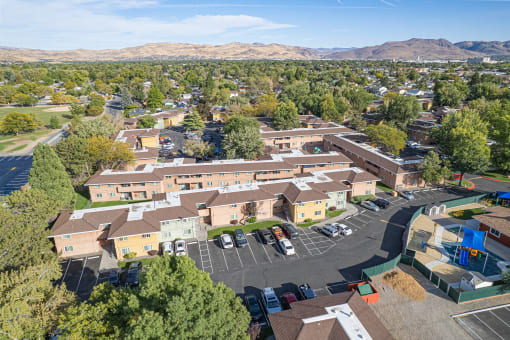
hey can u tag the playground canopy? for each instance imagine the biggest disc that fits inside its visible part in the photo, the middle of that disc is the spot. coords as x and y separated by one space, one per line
503 195
473 239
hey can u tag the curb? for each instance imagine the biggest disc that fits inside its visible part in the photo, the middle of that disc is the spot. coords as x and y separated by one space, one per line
472 187
495 180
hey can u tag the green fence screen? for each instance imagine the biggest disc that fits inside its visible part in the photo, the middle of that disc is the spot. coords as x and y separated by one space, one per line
443 285
481 293
381 268
454 294
434 278
421 268
465 200
406 260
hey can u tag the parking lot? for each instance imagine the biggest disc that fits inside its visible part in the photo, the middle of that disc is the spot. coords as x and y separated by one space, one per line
14 172
487 324
80 275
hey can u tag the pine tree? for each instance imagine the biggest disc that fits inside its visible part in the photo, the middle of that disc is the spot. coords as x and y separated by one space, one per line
125 98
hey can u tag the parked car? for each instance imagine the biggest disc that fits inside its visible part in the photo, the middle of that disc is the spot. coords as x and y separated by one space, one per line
240 238
167 248
180 248
270 301
286 247
226 241
266 236
253 306
306 291
329 230
113 278
278 233
132 277
290 231
407 195
288 299
343 229
381 203
370 205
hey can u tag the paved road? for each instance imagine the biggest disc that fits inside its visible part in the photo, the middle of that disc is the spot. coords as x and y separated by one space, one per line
113 106
487 324
326 264
486 185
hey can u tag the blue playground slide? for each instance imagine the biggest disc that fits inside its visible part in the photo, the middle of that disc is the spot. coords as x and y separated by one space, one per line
463 259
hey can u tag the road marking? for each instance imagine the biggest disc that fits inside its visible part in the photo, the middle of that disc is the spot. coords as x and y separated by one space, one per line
396 224
486 325
242 265
93 257
468 327
81 275
305 247
65 273
223 252
503 321
253 255
264 247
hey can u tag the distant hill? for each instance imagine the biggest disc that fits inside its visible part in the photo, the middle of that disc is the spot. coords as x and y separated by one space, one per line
428 49
326 51
492 48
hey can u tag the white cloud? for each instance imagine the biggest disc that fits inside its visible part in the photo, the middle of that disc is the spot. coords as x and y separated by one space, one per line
93 24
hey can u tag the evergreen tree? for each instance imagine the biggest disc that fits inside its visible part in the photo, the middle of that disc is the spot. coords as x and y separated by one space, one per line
286 117
49 175
155 98
125 98
193 122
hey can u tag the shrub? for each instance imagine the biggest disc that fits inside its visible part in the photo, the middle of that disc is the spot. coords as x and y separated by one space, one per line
130 255
332 208
152 252
308 220
252 219
361 198
233 221
55 122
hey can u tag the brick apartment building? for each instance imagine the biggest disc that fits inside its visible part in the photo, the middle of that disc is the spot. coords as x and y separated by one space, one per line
143 142
496 224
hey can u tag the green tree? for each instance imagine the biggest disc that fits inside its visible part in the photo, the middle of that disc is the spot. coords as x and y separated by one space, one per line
402 111
101 126
193 122
125 98
286 117
71 152
489 91
266 105
155 98
237 121
96 105
198 148
55 122
77 109
49 175
138 91
432 168
357 122
174 298
104 153
328 109
500 133
146 121
389 138
15 122
244 142
463 137
24 99
449 94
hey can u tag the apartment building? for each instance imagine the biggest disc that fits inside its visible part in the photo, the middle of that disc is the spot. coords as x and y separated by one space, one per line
164 119
397 173
141 227
178 175
143 142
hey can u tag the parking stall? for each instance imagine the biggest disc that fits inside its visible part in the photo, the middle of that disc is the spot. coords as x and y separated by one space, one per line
89 275
486 324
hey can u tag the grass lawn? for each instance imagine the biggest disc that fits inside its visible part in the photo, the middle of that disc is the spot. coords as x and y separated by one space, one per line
335 213
112 203
307 224
467 214
82 200
248 228
383 187
19 147
3 145
465 183
496 175
145 262
39 112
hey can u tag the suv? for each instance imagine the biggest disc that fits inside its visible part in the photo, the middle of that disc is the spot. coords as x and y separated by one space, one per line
370 206
132 277
180 248
381 203
306 291
266 236
407 195
270 301
278 233
286 247
329 231
113 277
240 238
253 306
290 231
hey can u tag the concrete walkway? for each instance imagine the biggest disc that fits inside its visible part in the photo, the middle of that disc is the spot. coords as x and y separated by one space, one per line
438 237
108 261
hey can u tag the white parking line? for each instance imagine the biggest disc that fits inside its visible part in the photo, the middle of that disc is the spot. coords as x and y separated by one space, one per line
503 321
265 251
226 265
253 255
486 325
65 273
242 265
81 275
472 331
305 247
208 255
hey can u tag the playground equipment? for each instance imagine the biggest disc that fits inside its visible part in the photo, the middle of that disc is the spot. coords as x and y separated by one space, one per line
473 244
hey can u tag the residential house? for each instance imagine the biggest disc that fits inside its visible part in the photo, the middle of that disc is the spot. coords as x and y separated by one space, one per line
496 224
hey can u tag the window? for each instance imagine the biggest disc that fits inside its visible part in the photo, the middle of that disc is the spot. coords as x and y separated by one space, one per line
236 173
222 183
112 194
200 205
249 181
154 183
288 171
182 186
125 185
209 175
110 185
233 205
97 186
318 212
165 222
221 174
301 215
301 204
154 192
187 231
237 182
123 238
318 202
141 184
369 182
68 249
233 216
147 247
146 235
368 192
169 186
495 232
249 173
67 236
167 234
124 251
99 195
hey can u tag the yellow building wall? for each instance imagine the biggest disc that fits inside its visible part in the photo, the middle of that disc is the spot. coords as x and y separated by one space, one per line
150 142
136 244
308 209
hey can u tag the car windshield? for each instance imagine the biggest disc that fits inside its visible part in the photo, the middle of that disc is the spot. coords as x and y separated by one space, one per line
241 237
273 304
289 247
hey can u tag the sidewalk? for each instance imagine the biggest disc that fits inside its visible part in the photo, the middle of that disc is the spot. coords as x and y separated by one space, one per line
350 210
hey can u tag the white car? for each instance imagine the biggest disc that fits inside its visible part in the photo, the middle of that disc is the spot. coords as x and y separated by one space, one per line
343 229
329 230
226 241
167 248
286 247
180 248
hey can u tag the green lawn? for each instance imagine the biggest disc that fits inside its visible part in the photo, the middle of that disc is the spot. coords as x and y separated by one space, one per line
361 198
112 203
248 228
465 183
496 175
19 147
82 200
3 145
307 224
39 112
145 262
335 213
467 214
383 187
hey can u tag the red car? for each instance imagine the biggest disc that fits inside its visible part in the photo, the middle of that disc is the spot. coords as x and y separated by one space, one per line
278 233
287 299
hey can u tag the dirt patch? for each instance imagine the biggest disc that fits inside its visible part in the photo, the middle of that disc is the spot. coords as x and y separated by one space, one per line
63 108
405 284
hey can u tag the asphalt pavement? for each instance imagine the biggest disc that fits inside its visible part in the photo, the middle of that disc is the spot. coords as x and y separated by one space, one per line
14 172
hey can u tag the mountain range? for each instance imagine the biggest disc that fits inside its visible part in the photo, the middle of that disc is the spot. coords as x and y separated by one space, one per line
425 49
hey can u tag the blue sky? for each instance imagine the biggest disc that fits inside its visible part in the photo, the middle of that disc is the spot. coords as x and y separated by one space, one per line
100 24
